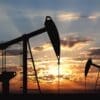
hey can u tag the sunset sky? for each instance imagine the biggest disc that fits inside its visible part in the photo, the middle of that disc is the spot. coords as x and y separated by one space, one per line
78 23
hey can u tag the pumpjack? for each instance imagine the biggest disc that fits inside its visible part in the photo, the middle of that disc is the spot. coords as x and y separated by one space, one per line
50 28
88 65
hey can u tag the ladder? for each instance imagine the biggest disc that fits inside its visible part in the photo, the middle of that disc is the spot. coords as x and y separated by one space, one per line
97 84
33 64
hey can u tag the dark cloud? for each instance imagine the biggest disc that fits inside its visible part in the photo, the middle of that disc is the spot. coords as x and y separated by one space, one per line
95 53
42 47
14 52
72 41
10 68
69 42
38 48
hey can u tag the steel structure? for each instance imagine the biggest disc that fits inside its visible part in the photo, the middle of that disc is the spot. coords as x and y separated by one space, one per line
50 28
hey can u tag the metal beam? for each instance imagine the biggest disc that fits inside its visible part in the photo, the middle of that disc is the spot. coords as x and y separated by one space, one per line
21 38
25 65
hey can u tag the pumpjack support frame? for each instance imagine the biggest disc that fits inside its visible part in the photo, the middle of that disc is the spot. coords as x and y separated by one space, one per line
53 34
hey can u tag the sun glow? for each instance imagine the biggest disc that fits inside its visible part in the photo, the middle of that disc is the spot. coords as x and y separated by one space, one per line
63 70
53 71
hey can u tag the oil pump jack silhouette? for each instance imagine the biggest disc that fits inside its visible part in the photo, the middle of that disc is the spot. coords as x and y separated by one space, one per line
50 28
89 63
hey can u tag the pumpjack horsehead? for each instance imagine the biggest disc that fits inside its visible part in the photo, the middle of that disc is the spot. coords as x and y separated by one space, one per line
50 28
89 63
